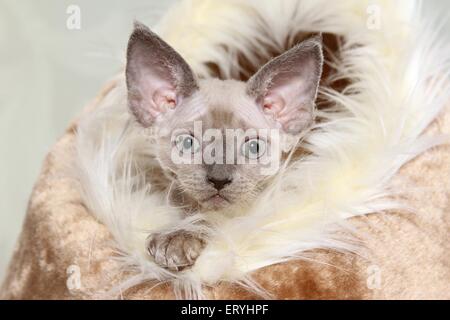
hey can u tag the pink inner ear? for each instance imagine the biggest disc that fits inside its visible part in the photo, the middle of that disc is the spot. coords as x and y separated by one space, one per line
273 104
164 99
286 87
157 77
158 93
284 93
287 102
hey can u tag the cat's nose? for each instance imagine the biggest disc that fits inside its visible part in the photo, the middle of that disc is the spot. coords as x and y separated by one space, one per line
219 184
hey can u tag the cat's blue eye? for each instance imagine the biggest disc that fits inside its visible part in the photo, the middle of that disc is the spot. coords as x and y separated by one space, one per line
186 143
253 148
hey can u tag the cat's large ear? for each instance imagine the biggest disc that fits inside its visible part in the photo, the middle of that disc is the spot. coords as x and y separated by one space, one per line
157 77
286 87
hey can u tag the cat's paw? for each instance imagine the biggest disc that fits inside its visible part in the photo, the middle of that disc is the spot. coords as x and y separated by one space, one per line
175 251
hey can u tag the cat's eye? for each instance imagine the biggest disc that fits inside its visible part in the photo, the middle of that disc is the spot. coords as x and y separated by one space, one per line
186 143
253 148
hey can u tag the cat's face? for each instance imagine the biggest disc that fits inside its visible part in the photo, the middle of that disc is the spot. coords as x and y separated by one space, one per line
220 141
217 147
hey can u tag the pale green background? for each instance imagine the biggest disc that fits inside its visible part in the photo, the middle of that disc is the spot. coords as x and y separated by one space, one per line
48 73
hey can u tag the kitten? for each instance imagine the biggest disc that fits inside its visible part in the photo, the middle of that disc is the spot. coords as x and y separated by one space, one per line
207 170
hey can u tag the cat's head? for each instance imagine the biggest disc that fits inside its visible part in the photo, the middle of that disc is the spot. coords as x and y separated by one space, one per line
219 141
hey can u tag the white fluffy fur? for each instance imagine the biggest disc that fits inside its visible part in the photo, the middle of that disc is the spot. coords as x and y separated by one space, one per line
399 78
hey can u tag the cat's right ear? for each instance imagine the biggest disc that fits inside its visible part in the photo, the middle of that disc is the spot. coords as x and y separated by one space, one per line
157 77
286 87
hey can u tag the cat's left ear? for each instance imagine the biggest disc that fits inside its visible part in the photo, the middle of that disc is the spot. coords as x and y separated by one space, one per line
158 78
286 87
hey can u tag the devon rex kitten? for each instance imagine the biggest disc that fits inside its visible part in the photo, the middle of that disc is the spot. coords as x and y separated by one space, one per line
164 93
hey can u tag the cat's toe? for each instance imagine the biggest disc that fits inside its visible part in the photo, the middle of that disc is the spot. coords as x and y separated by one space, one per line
183 250
175 251
193 248
156 247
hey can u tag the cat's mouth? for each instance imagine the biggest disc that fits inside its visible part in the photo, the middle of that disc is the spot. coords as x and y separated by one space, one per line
217 201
